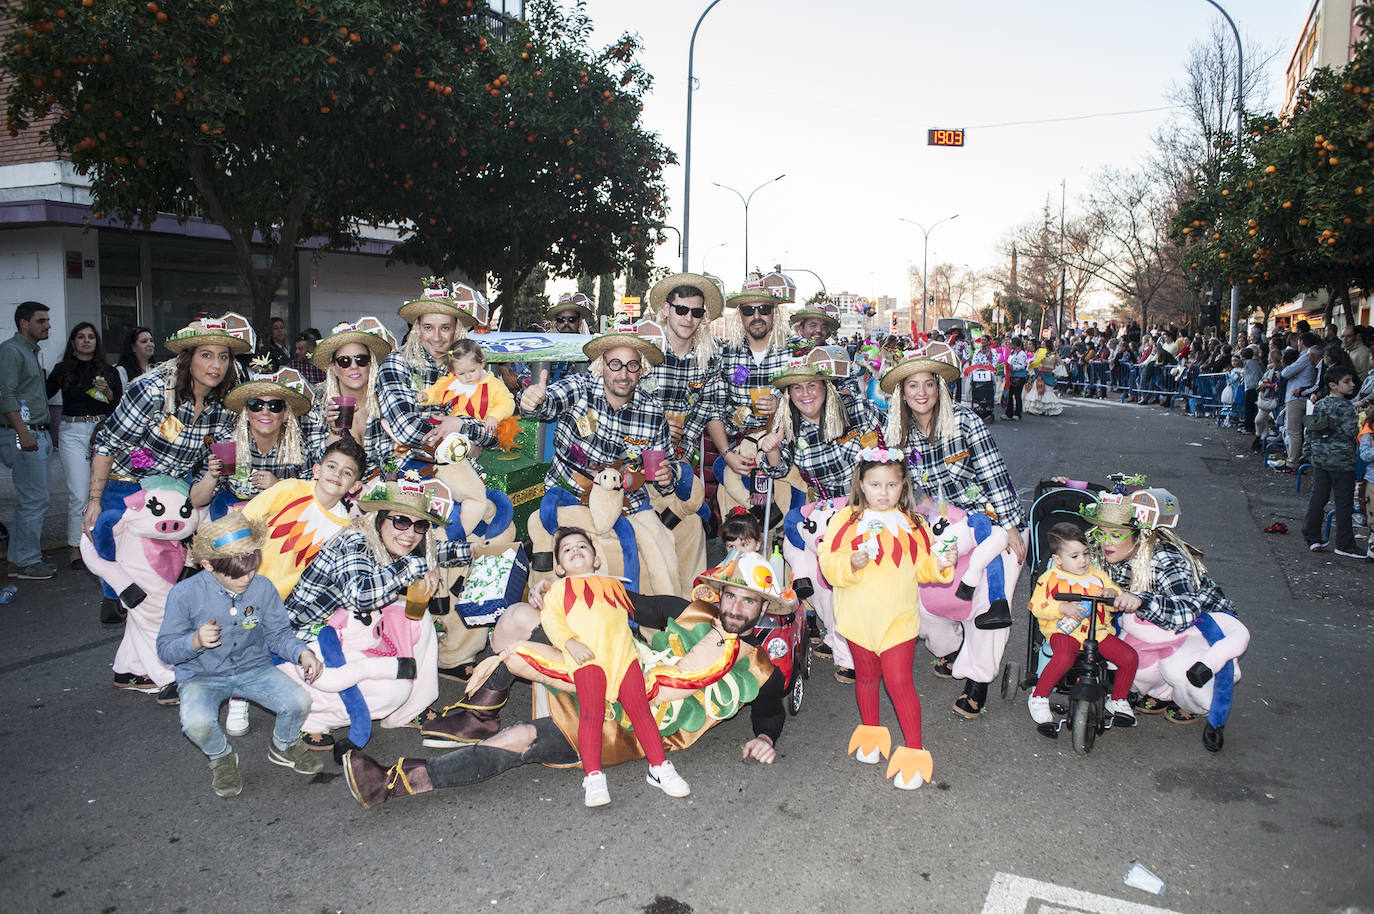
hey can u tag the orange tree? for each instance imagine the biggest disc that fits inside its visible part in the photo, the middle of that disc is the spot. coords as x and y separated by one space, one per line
545 166
1295 211
256 115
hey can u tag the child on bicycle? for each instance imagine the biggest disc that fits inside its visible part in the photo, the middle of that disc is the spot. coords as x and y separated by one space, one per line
1065 625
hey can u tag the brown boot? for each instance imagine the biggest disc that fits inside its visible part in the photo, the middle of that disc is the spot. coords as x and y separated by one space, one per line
372 784
469 721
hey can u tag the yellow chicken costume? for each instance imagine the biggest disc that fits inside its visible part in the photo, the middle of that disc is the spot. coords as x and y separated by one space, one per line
1055 580
297 527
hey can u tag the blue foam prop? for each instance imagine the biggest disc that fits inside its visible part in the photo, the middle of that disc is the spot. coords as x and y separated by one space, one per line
981 525
789 528
505 515
1224 682
683 491
359 717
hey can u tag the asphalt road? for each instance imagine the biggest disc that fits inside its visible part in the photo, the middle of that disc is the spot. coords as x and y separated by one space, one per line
110 809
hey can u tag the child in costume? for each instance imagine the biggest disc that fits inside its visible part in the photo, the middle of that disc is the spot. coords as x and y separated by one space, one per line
1065 625
875 554
587 616
470 390
217 633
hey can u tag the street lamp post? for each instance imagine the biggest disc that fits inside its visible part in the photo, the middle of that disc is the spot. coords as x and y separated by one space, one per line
1240 138
687 152
707 256
925 250
745 200
781 269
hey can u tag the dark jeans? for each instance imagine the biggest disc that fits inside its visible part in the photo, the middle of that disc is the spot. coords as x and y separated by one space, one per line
1337 485
1251 409
1014 397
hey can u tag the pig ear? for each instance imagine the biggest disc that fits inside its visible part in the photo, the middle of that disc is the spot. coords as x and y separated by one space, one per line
134 501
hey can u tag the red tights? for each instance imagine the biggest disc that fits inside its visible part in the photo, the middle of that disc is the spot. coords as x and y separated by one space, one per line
590 681
1065 653
893 668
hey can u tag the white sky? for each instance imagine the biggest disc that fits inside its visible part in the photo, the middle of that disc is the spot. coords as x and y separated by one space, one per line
839 95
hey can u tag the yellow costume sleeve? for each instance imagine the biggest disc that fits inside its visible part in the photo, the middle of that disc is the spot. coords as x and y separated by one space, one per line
554 617
435 392
928 570
501 404
1041 606
835 551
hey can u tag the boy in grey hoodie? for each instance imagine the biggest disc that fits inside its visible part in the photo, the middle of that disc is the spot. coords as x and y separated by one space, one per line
1331 429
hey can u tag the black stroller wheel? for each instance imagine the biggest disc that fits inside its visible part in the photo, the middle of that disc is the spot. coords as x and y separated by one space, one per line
1086 717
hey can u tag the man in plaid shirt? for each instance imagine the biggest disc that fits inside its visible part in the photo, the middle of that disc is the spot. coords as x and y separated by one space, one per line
687 303
603 419
763 351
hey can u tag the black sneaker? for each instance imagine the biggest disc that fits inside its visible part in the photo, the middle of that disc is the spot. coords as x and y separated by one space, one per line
134 682
168 695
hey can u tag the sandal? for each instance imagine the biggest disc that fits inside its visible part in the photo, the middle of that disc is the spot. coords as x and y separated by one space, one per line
943 667
845 676
821 649
460 673
1180 716
968 708
320 742
1151 705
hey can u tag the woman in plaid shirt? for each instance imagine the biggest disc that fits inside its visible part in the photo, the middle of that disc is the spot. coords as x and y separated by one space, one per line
952 456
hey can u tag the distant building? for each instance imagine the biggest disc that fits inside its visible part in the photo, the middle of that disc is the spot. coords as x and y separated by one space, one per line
1325 40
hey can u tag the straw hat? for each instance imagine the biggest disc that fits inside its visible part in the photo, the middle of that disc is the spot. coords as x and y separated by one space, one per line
935 357
458 301
229 329
367 331
425 499
824 363
232 535
572 301
1147 509
286 384
751 572
715 299
832 325
628 336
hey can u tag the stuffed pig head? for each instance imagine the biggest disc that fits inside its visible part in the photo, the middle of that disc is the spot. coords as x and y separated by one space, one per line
160 510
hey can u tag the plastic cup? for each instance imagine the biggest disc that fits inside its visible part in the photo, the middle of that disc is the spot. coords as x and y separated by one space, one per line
676 415
227 453
756 397
417 599
346 407
653 459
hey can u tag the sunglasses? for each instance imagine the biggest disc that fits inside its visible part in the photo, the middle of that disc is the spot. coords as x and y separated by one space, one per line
348 361
567 318
751 310
633 366
1112 537
402 524
257 405
683 311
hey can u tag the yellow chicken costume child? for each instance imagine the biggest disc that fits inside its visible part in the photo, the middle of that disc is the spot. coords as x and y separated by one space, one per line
297 527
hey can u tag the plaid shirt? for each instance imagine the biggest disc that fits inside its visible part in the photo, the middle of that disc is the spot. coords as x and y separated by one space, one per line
345 575
408 421
312 373
828 466
727 398
619 434
945 469
272 462
177 442
1172 601
376 442
680 385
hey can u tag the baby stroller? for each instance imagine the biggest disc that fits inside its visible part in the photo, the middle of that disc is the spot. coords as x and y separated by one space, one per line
983 392
1087 683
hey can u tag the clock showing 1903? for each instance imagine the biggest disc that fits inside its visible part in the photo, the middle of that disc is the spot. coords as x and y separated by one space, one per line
945 137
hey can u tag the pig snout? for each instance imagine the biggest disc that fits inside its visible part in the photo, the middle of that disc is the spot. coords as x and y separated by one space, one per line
170 526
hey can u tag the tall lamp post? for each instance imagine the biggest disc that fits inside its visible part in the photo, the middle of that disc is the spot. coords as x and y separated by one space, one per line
925 249
745 200
707 256
687 152
1240 138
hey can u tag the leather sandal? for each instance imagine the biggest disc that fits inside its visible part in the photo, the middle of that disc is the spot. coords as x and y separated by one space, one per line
320 742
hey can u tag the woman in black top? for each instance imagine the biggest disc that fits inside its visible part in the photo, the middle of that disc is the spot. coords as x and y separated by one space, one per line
89 389
137 355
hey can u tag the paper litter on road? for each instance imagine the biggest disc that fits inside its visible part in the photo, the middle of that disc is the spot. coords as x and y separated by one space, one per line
1195 444
1141 878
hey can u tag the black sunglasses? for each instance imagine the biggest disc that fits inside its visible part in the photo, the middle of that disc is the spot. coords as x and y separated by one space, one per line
257 404
348 361
567 318
403 523
683 311
751 310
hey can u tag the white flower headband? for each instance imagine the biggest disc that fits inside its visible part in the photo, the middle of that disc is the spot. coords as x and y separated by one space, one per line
882 455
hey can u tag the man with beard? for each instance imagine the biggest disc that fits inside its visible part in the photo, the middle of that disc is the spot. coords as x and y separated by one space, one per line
813 325
544 741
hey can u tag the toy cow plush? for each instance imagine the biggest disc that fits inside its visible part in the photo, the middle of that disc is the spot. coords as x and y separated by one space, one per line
140 554
1196 668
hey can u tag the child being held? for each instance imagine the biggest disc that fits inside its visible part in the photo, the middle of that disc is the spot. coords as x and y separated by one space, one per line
587 616
1065 625
217 633
470 390
741 533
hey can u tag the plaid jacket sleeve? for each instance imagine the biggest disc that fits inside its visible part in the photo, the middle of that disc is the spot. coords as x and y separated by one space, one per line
560 397
454 553
407 422
138 410
1173 602
991 470
344 574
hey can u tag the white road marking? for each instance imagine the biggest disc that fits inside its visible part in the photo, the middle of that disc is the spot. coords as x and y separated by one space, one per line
1022 895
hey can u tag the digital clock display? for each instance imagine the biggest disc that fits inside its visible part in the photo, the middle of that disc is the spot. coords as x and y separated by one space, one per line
944 137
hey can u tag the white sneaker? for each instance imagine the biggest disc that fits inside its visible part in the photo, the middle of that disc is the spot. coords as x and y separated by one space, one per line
594 790
666 779
1350 555
1039 709
1120 707
1317 547
236 722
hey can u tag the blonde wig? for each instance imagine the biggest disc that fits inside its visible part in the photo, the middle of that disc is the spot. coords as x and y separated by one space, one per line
703 342
331 390
290 449
782 328
901 424
832 415
367 526
413 351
